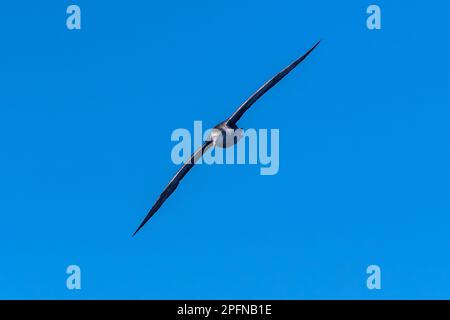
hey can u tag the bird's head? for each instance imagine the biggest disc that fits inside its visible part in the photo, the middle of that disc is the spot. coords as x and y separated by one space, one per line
214 136
226 138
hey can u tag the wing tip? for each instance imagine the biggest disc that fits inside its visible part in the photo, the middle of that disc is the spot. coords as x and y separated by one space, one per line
315 45
137 230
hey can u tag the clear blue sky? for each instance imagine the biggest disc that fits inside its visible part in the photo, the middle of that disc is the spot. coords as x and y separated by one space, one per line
85 124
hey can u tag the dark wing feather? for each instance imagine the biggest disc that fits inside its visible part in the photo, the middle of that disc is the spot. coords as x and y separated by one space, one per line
266 87
173 184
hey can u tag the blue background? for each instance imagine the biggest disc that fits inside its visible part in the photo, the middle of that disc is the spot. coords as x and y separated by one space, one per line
85 124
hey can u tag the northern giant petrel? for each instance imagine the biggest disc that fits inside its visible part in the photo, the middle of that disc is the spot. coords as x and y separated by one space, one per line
224 134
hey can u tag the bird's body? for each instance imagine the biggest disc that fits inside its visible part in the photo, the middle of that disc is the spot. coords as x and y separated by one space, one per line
223 135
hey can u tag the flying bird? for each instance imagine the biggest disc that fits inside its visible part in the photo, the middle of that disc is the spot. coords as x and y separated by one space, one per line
223 135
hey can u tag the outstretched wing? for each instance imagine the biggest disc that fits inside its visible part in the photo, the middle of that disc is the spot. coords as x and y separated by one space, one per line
266 87
173 184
